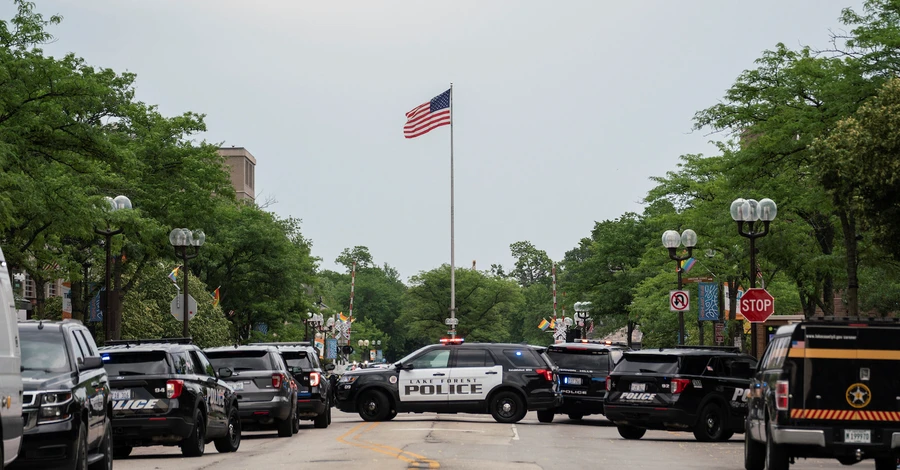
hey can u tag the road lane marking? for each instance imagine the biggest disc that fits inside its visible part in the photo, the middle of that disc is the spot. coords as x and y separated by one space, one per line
515 433
414 460
437 429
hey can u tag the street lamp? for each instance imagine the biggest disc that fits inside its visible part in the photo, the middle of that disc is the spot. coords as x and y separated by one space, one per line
314 319
110 319
671 240
181 239
581 316
748 212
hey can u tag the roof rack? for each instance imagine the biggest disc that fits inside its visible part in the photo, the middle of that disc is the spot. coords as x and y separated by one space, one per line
120 342
733 349
286 343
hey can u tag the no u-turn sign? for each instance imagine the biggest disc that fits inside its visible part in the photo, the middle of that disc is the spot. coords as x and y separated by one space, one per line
679 300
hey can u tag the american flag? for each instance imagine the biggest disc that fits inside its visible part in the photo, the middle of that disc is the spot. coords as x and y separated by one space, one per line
427 116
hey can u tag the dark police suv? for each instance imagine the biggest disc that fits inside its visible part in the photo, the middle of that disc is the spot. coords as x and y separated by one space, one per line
166 392
828 389
505 380
699 389
264 385
314 391
583 368
66 405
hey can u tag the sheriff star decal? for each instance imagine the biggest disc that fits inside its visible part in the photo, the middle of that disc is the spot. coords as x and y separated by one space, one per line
858 395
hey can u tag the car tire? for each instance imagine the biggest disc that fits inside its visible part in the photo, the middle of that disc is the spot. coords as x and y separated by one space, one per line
711 422
121 452
754 453
507 407
374 406
329 414
776 454
81 451
296 422
576 416
886 463
195 444
392 415
545 416
231 441
285 426
631 432
106 448
321 421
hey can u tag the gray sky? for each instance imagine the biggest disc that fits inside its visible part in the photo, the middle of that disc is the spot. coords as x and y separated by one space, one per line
562 110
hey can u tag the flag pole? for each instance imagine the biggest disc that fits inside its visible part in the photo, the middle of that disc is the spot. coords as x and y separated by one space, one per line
452 239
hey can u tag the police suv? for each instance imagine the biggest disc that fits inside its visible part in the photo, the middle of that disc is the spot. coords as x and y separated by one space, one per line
690 388
828 389
505 380
583 368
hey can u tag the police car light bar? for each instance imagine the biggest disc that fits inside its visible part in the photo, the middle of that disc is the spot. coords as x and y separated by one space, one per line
452 340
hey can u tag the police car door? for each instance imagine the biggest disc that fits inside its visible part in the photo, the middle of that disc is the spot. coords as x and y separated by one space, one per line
474 375
424 377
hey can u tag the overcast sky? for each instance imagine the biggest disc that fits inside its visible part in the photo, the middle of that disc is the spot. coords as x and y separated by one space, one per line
562 110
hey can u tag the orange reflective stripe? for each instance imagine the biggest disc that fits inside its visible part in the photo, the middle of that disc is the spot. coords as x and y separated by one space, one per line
845 415
822 353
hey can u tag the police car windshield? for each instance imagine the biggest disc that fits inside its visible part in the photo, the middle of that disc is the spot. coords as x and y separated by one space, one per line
298 359
580 360
43 351
660 364
412 355
135 363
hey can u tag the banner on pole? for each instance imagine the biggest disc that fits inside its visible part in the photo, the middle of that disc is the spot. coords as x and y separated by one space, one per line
331 347
708 301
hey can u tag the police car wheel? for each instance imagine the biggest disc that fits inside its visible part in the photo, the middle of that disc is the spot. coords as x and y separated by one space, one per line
392 415
776 455
507 407
631 432
710 425
754 454
195 444
121 452
545 416
374 406
575 416
886 463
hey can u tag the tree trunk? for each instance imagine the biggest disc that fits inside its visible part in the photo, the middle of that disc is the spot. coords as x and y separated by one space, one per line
851 247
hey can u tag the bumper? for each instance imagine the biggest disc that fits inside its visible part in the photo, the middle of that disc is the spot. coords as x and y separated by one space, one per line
828 441
138 432
48 446
649 417
265 412
581 405
310 407
345 398
544 402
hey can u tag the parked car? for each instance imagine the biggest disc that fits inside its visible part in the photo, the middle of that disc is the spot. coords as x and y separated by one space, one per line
10 375
504 380
66 406
826 389
166 392
264 385
315 394
689 388
583 368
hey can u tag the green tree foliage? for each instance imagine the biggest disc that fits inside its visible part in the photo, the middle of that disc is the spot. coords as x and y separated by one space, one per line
358 254
532 265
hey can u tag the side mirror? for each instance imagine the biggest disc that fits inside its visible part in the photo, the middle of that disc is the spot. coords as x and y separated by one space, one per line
403 366
90 363
329 367
225 372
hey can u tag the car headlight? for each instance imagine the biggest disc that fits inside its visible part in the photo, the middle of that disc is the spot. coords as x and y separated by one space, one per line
349 379
53 398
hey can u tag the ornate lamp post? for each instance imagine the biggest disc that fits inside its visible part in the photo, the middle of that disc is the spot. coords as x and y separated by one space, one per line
671 240
111 321
582 309
181 239
747 212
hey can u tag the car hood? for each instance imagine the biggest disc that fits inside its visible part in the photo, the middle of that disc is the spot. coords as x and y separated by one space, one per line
372 372
38 380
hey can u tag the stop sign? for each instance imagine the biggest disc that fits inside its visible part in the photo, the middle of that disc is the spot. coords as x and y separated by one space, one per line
757 305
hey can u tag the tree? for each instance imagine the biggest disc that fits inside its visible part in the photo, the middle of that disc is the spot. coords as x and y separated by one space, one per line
358 254
532 265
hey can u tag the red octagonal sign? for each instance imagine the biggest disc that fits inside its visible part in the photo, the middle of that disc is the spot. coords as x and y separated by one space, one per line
757 305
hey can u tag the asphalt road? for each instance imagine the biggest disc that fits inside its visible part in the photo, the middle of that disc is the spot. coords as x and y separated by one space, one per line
462 442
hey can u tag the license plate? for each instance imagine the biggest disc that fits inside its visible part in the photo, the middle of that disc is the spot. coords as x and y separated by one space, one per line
120 394
638 387
572 380
857 436
237 386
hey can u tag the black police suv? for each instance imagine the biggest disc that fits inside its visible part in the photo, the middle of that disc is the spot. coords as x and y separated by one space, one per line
264 385
315 394
826 389
699 389
505 380
166 392
583 368
66 405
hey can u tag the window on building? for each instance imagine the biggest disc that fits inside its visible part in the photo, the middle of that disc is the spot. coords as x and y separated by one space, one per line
51 289
29 288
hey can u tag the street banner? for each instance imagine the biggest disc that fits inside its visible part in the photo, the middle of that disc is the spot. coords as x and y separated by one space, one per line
320 346
94 307
331 347
708 301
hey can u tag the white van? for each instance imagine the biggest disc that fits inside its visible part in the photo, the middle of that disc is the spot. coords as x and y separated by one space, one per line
10 370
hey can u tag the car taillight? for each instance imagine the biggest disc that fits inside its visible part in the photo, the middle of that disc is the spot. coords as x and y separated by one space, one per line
174 388
277 380
314 378
782 391
608 384
678 385
547 374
